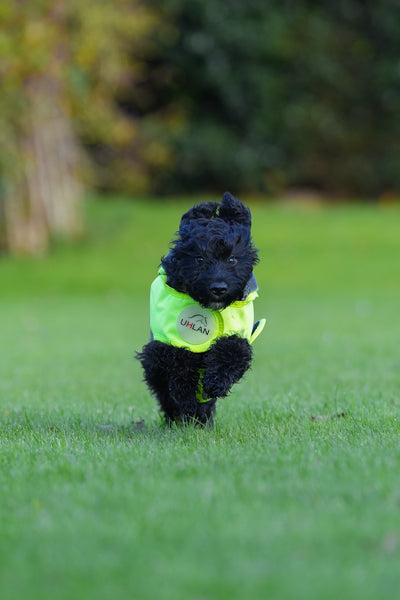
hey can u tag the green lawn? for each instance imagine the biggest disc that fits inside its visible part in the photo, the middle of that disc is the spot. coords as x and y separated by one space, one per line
294 494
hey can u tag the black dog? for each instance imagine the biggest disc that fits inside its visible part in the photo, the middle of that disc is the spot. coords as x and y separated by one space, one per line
201 312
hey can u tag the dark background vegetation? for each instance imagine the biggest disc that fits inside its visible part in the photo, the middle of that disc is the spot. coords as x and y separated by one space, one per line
282 93
171 97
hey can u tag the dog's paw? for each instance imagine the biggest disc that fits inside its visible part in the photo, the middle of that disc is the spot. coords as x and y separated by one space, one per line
215 387
225 364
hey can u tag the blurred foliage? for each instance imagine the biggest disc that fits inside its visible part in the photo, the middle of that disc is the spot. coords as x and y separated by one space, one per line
168 96
282 93
91 52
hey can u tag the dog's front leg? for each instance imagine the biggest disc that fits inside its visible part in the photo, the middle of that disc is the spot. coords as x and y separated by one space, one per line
159 361
183 382
225 363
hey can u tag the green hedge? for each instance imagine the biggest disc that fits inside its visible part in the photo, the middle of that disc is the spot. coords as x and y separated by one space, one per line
278 94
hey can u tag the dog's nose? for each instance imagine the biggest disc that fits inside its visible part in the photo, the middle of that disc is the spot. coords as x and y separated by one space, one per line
218 288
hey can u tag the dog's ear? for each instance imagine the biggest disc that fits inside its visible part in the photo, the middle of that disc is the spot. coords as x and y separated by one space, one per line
169 261
233 211
205 210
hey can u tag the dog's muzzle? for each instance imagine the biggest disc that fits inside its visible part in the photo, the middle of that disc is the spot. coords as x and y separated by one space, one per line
218 289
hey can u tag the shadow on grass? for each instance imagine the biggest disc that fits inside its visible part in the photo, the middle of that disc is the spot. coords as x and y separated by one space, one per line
45 429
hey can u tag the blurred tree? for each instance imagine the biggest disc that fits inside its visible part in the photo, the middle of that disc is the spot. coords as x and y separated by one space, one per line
62 67
282 93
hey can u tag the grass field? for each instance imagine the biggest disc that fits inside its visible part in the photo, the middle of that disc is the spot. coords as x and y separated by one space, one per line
294 494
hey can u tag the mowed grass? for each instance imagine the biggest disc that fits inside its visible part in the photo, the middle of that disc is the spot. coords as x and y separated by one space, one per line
294 494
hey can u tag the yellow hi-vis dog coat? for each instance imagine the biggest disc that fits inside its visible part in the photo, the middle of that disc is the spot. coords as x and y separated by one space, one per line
177 319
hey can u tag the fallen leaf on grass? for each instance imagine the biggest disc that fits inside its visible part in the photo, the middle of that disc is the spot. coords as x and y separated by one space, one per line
327 417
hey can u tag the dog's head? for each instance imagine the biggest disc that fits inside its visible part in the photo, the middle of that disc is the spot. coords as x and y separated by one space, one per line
212 257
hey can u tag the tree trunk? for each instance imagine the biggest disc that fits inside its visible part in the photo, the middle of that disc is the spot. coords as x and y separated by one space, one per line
43 202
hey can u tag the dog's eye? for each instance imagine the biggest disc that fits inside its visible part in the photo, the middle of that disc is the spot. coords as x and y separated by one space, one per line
199 259
232 260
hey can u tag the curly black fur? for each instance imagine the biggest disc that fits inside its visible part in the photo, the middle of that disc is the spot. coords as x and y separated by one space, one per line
213 244
211 260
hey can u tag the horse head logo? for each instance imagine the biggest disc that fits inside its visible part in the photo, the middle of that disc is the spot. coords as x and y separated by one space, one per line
199 319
